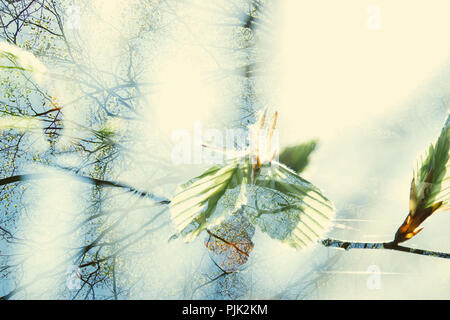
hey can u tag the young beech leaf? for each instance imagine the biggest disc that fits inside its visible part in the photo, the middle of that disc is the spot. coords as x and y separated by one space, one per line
272 196
289 208
193 209
297 157
277 200
429 191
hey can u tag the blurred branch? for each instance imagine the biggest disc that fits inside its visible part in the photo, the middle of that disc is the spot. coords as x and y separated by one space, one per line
94 181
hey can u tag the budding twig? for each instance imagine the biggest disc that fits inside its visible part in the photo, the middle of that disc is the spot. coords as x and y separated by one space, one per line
347 245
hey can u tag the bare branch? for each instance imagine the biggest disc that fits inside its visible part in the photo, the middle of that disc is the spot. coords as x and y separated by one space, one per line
347 245
94 181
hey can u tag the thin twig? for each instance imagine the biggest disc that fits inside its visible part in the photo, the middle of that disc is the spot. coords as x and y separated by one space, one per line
94 181
347 245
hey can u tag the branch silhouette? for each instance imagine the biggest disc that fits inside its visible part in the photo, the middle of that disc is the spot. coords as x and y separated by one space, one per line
94 181
347 245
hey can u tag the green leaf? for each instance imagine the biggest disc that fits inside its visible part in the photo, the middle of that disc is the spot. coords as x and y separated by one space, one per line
289 208
429 191
193 209
297 157
432 176
277 200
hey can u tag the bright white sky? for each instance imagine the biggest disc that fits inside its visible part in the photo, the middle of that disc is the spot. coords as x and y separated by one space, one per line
337 73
